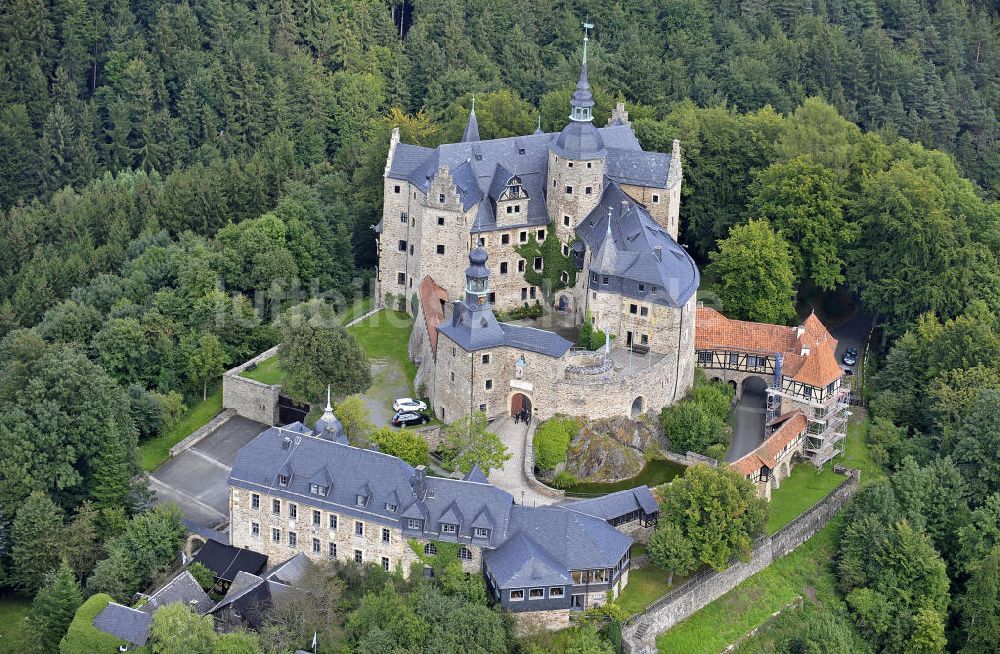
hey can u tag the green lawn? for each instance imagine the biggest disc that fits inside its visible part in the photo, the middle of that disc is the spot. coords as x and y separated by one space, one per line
645 585
384 335
267 372
804 488
359 308
13 630
857 455
154 452
803 572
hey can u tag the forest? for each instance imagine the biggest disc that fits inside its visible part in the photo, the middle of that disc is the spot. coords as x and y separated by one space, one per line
176 175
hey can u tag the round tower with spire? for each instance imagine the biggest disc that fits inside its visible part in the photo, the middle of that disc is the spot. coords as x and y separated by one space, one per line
576 159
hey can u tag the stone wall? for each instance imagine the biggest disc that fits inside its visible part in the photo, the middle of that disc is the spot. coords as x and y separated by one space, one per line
250 398
639 632
533 622
243 516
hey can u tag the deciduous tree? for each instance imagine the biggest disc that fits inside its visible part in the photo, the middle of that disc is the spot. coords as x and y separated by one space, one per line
468 442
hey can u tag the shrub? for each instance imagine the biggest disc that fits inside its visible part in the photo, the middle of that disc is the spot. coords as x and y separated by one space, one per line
201 574
83 637
552 439
565 480
407 445
590 337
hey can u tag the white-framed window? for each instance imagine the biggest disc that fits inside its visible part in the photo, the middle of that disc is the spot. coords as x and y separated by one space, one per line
556 591
517 595
430 549
255 529
316 546
656 198
569 190
361 500
293 511
486 359
275 534
481 532
505 239
540 235
523 236
385 563
317 518
332 550
390 507
565 250
448 528
536 593
566 220
537 264
520 266
293 540
254 501
643 311
333 521
358 556
359 528
385 535
276 507
415 523
465 554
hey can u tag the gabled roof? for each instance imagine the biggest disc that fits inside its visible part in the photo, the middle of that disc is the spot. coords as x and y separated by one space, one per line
473 167
476 474
520 562
131 625
484 520
183 589
549 542
792 424
617 504
291 571
456 498
642 252
808 351
226 561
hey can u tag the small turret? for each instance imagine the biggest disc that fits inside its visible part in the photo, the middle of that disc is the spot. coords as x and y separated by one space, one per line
477 279
471 132
328 427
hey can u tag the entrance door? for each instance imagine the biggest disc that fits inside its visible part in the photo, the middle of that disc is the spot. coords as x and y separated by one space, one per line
628 339
519 403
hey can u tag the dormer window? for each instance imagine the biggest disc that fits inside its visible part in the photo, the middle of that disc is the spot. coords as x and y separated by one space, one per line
282 480
480 532
361 500
318 489
448 528
414 523
390 507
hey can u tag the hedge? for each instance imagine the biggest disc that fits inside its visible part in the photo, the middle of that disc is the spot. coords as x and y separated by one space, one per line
552 439
83 637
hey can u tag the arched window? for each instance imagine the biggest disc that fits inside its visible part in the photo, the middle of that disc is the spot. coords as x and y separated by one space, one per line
465 554
430 548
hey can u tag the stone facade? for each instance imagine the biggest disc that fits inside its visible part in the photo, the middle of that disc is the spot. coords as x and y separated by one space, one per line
372 543
533 622
250 398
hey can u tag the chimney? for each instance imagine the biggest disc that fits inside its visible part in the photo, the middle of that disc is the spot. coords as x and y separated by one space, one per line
658 252
419 481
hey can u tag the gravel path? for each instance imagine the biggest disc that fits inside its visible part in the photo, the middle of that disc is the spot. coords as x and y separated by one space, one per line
511 477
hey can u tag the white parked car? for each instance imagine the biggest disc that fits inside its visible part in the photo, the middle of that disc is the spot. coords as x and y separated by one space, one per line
409 404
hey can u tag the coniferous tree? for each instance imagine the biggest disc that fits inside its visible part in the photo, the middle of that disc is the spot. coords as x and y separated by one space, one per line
54 607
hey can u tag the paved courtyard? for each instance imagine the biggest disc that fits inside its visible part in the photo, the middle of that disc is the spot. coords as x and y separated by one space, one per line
511 477
389 382
196 478
749 417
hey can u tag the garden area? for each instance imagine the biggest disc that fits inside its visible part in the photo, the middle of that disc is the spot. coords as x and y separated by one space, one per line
13 630
654 473
155 451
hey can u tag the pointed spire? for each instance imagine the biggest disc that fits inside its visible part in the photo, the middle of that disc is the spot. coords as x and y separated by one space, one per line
604 260
327 416
582 100
471 132
538 130
329 407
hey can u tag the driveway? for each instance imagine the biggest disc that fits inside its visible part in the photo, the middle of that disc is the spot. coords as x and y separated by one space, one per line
196 478
511 477
389 382
748 421
853 333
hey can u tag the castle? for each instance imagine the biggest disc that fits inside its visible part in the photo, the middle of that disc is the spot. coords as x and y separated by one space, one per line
461 237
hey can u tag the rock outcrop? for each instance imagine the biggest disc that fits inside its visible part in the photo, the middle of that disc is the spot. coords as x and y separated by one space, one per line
611 449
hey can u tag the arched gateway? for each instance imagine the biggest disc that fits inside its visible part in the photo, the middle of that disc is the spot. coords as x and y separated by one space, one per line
520 402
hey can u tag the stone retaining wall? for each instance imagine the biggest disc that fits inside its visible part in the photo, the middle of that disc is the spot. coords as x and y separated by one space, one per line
199 434
639 632
529 466
250 398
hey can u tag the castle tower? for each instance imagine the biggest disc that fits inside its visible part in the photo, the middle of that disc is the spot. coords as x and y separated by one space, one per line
477 280
576 160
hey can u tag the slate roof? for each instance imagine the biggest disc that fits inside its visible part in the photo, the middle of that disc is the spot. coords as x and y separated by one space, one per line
184 589
476 167
226 561
520 562
635 256
618 504
818 367
131 625
471 132
476 474
554 538
383 477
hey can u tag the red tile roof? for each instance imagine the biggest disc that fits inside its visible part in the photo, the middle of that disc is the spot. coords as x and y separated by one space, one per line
432 301
767 453
808 351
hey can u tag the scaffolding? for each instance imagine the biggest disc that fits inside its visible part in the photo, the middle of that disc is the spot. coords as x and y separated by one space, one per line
826 430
